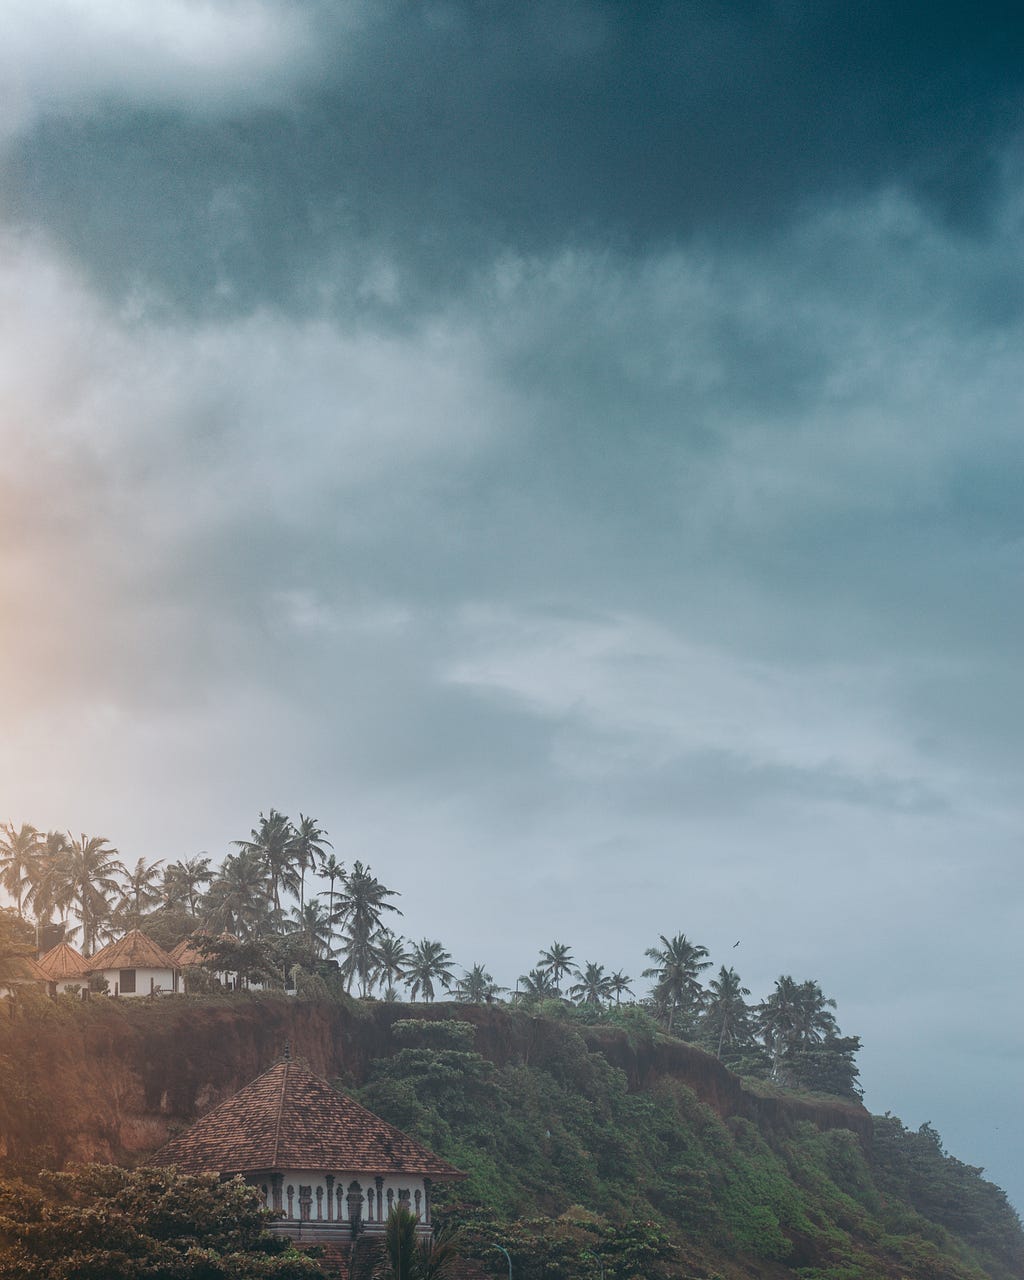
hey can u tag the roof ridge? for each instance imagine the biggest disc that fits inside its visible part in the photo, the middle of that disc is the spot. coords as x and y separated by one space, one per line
280 1111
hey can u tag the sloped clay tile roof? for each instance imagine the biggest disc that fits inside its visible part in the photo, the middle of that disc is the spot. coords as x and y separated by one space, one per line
185 954
133 951
290 1118
23 969
63 962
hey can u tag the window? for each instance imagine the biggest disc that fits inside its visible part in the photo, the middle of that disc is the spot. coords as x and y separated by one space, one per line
127 984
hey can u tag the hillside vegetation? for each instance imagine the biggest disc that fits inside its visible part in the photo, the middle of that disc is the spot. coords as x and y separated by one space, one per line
614 1150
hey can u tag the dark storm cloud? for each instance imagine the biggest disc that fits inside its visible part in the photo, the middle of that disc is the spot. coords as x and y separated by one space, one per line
432 135
571 449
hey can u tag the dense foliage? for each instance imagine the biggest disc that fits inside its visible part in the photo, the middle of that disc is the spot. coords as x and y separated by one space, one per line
104 1223
571 1172
339 939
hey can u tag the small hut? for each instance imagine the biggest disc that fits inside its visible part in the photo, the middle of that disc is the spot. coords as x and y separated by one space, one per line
65 969
135 965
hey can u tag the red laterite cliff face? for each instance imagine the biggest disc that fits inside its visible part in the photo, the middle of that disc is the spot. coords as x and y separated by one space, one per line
113 1081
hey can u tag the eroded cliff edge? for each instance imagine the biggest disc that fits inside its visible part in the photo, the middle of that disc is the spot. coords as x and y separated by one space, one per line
112 1081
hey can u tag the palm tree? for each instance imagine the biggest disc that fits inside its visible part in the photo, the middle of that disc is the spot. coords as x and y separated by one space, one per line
538 984
619 985
362 900
273 842
679 964
427 961
334 871
794 1016
310 845
182 880
390 960
311 928
88 871
557 962
406 1258
594 986
727 1009
18 853
139 892
477 987
238 899
45 891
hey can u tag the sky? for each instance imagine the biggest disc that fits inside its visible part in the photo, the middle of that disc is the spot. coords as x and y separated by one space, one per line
572 450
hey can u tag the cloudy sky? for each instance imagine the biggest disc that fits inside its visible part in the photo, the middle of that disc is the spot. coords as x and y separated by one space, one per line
573 450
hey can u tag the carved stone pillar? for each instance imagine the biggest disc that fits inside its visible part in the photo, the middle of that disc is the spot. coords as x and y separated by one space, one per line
379 1183
426 1201
319 1203
330 1196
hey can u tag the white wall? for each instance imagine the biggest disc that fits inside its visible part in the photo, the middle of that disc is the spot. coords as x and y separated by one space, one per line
162 978
309 1178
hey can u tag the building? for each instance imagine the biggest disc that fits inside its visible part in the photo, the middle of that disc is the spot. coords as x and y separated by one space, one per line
330 1169
135 966
186 956
64 968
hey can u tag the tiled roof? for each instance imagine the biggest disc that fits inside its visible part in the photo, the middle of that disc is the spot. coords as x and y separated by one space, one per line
290 1118
133 951
63 962
19 969
185 954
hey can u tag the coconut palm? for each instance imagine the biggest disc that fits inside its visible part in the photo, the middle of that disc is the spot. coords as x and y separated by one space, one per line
310 926
557 962
360 904
390 960
238 900
477 987
18 853
139 892
88 873
182 882
428 961
538 984
794 1016
309 846
726 1009
334 872
678 965
46 892
619 985
273 842
593 988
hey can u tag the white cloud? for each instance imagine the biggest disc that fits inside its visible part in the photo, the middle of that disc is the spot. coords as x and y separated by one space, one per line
76 56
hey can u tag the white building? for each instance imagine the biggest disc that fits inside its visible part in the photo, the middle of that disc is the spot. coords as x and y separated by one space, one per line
330 1169
134 966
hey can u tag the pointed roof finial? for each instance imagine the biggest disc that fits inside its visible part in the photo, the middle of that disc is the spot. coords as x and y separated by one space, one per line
287 1051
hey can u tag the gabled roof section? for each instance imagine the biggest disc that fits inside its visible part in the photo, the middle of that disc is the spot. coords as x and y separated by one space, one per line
185 954
290 1118
133 951
19 969
63 962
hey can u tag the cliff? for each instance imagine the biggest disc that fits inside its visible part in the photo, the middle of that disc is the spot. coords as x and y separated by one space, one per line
578 1142
115 1079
